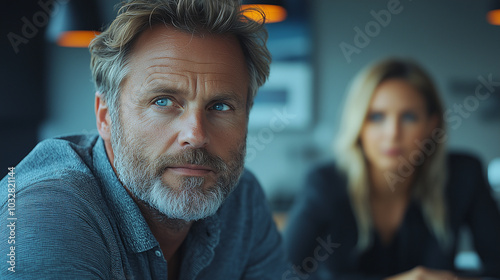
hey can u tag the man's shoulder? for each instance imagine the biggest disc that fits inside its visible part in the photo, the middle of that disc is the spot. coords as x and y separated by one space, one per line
55 156
245 198
59 165
249 238
56 198
248 187
247 178
63 151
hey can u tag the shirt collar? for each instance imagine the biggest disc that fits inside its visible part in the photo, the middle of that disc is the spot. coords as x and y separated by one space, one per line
199 246
133 228
200 243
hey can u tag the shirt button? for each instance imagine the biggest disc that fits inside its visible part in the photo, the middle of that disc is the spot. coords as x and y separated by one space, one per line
158 253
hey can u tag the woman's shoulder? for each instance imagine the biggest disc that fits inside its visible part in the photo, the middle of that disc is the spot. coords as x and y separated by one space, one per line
465 175
462 164
324 190
463 160
327 177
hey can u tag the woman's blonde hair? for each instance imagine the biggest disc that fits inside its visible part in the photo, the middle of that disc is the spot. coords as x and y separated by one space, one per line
110 51
429 184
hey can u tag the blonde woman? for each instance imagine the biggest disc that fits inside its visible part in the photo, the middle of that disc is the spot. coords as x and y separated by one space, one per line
392 204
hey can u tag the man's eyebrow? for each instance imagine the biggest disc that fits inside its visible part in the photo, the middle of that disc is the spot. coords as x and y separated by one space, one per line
228 96
219 96
225 95
164 90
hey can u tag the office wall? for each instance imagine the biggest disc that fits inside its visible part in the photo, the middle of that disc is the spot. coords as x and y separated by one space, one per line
451 39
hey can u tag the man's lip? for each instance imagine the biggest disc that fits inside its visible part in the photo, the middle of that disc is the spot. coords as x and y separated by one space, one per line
191 170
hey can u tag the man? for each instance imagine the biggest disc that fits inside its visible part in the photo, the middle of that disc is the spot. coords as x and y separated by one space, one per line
161 191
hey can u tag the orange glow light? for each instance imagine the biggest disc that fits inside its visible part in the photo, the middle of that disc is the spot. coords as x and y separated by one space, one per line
273 13
76 39
494 17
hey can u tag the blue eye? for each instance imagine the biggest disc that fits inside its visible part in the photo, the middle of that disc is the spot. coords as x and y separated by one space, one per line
220 107
375 117
163 102
410 117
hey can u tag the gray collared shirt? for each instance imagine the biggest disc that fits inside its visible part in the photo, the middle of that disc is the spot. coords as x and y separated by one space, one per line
73 219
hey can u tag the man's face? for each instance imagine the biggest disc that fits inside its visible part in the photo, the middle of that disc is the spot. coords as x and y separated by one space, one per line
179 143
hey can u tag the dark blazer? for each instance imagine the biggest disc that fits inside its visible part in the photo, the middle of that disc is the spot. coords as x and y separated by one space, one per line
322 213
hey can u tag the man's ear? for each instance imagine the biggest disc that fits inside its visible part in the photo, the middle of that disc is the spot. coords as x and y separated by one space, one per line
103 120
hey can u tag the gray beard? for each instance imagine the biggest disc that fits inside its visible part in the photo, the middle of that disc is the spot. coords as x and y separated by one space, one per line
190 201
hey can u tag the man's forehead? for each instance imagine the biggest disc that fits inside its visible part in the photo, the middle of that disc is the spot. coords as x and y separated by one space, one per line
168 60
161 47
169 38
164 48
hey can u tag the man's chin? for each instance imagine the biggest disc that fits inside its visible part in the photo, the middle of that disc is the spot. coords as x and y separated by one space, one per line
189 201
168 216
165 220
185 219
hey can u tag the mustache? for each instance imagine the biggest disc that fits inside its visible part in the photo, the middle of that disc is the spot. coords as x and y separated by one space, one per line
198 156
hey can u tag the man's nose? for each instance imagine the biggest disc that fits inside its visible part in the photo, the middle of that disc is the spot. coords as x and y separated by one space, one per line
193 129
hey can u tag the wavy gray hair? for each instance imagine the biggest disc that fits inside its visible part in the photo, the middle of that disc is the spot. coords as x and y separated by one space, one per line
110 51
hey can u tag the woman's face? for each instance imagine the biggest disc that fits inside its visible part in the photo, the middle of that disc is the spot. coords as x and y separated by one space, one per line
397 119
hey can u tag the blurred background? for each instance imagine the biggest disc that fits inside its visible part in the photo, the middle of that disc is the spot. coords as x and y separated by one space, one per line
317 49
